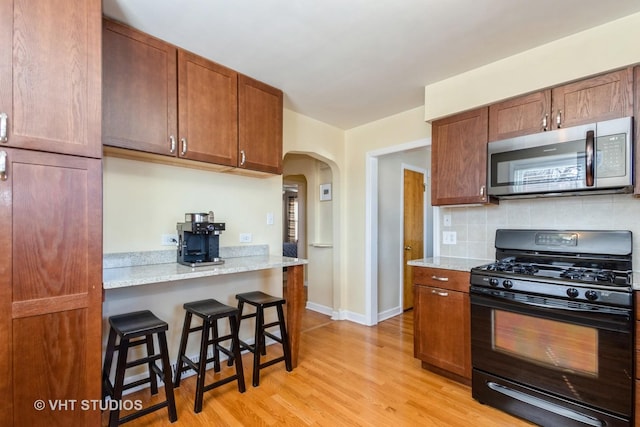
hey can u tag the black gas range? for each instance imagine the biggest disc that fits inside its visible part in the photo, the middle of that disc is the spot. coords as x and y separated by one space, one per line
552 327
589 266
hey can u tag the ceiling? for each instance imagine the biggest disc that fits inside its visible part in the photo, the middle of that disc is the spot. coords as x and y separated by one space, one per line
350 62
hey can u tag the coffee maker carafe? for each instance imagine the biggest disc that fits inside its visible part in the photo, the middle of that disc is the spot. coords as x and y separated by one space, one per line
199 240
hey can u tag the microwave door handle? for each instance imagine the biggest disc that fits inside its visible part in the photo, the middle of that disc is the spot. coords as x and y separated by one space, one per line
590 149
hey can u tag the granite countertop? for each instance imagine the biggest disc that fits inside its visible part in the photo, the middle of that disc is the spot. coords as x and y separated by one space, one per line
134 269
450 263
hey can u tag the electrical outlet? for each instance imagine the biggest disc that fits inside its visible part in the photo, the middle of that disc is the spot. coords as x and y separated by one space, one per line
449 237
169 239
446 219
245 237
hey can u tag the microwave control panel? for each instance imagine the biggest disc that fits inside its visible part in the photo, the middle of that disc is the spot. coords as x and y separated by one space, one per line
611 156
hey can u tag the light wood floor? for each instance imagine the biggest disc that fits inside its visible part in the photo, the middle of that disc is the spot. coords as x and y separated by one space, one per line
348 375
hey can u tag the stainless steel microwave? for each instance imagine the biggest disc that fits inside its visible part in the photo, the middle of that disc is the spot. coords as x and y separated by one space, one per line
593 158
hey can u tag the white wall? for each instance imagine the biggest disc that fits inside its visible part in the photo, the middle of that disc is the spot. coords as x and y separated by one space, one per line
603 48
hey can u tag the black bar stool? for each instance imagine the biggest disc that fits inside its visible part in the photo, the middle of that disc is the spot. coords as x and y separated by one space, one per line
261 301
134 329
209 311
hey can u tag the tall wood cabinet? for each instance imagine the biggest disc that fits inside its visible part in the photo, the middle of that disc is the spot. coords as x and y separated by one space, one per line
50 211
636 123
459 158
160 99
603 97
442 328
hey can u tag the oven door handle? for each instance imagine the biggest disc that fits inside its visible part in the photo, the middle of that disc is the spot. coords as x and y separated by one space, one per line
590 154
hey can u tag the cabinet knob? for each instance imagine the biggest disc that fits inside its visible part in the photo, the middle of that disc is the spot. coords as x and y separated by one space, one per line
407 248
3 127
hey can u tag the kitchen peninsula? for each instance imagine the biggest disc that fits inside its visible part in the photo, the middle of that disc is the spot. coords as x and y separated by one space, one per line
161 285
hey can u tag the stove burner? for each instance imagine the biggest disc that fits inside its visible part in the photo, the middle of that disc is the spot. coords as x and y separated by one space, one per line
589 275
509 266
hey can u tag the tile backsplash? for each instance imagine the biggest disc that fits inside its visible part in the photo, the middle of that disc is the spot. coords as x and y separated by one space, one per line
475 226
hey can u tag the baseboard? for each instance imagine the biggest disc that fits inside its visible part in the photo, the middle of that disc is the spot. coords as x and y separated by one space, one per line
388 314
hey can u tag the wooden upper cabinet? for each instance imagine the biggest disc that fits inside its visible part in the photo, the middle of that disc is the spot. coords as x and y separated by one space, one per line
520 116
139 100
459 158
208 110
50 73
604 97
259 126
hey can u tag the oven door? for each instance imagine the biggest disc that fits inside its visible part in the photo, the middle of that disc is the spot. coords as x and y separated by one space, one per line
580 352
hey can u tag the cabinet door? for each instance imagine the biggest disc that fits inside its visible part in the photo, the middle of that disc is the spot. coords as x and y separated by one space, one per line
604 97
523 115
259 126
441 325
50 286
139 99
207 110
459 158
50 73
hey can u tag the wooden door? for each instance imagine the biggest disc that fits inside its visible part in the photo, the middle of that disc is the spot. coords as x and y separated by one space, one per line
259 126
604 97
413 230
636 123
51 231
140 91
523 115
50 73
459 158
207 110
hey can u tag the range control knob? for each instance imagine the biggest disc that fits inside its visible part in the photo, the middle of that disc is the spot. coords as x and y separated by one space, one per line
591 295
210 227
507 284
493 282
572 293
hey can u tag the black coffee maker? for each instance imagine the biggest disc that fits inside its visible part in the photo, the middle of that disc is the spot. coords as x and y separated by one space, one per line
199 240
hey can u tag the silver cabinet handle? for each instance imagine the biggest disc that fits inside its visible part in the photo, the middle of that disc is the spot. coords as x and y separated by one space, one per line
3 127
483 190
184 146
440 279
440 293
172 141
243 157
559 118
3 165
545 122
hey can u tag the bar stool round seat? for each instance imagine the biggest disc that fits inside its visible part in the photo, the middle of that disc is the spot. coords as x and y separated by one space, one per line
209 311
262 301
131 330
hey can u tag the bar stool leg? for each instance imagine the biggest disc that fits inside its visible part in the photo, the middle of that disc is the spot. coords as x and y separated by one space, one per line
285 339
216 352
107 388
202 366
182 349
233 324
258 346
123 349
166 377
153 381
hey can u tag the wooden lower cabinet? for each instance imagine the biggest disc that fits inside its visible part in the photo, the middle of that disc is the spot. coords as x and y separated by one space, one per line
442 339
50 289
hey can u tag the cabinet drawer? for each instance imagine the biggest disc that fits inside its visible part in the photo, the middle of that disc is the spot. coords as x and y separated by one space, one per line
442 278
